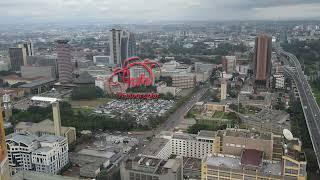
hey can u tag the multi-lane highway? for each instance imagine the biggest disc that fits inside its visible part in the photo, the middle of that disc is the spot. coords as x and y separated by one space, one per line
310 107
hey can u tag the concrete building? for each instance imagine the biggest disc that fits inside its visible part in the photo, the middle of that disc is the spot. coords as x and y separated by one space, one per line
183 81
229 64
36 71
18 57
174 68
4 161
250 165
165 89
102 60
223 90
43 61
200 67
233 141
45 127
144 168
65 66
279 81
47 153
181 144
122 46
52 155
29 48
262 60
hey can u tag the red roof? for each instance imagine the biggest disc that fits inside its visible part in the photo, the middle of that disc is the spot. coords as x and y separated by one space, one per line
251 157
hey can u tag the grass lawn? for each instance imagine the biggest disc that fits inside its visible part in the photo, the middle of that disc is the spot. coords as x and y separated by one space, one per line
88 104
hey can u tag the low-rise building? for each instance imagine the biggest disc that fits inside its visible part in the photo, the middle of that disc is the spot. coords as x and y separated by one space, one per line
143 168
48 154
45 127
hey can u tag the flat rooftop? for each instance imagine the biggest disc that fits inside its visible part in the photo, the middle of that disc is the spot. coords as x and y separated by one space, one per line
248 134
234 163
206 134
155 146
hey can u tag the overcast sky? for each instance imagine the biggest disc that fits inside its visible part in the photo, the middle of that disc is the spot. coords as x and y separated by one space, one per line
126 11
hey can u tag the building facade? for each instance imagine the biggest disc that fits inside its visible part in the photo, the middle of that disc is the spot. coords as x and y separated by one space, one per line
122 46
262 60
36 71
229 64
18 57
65 66
29 48
48 154
183 81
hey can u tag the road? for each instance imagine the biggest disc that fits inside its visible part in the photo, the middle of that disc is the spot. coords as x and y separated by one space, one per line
175 118
308 102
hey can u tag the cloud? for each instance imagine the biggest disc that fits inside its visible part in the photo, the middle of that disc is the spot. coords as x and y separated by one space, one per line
155 10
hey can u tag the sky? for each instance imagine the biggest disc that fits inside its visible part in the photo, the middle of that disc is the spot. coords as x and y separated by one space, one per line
133 11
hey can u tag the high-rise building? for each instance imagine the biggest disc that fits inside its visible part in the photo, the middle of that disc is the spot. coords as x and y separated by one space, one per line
122 45
18 57
223 90
29 48
262 60
4 163
65 66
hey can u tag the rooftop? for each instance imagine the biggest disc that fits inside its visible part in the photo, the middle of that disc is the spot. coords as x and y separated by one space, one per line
155 146
43 126
248 134
51 138
37 83
207 134
42 150
251 157
234 164
22 138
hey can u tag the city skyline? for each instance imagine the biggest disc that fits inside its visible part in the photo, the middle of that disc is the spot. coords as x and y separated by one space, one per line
125 11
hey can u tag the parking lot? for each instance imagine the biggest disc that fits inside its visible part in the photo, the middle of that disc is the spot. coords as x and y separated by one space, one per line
141 110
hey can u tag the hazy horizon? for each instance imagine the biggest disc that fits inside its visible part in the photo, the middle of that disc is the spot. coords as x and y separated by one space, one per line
143 11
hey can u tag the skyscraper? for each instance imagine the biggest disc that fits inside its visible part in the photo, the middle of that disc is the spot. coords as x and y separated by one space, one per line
122 45
65 66
18 57
4 163
115 46
29 48
262 60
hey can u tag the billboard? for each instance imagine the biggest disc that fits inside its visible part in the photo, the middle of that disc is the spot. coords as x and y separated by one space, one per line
134 73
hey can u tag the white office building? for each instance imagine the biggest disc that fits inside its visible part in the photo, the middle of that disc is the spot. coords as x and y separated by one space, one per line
47 154
52 155
181 144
